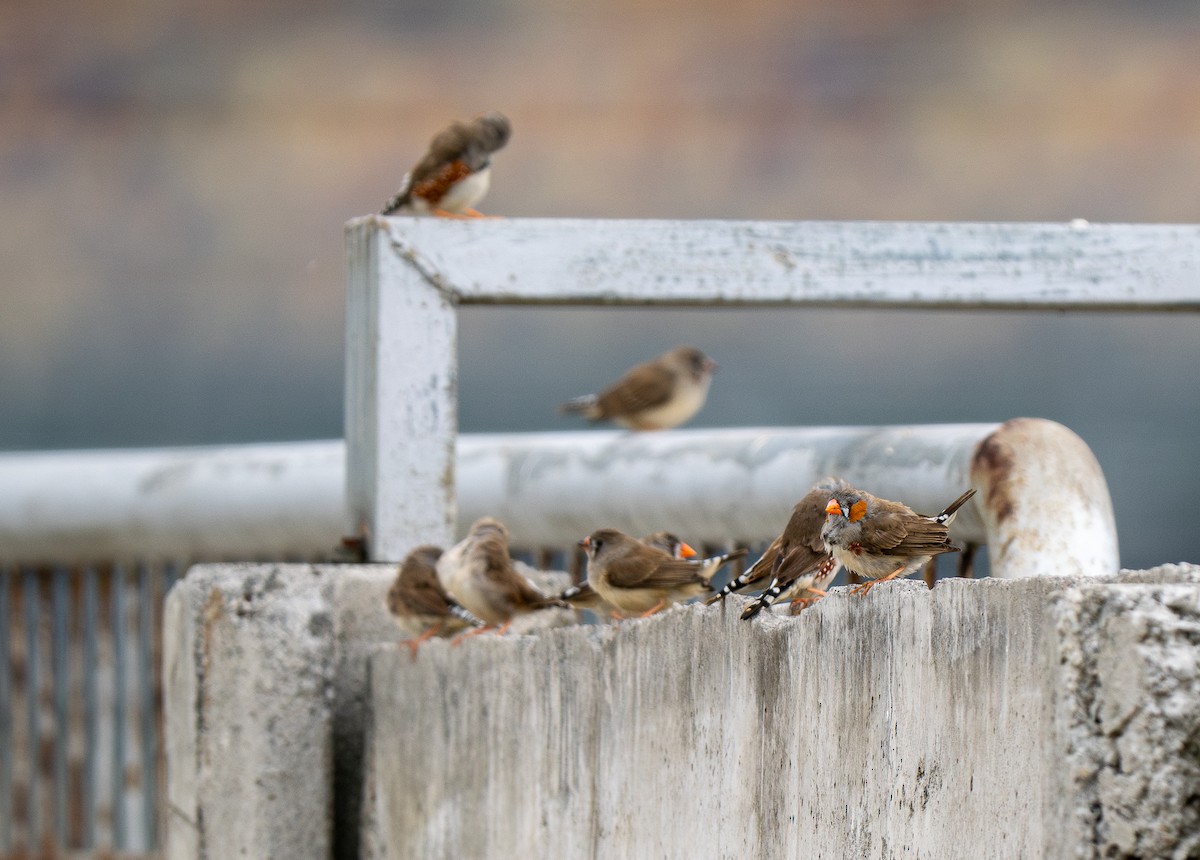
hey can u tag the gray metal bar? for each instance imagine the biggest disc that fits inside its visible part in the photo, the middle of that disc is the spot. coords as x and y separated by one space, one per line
148 605
245 501
91 717
61 660
893 264
33 685
120 836
7 743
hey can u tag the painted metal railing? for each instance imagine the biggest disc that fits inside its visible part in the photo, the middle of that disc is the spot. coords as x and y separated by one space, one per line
91 541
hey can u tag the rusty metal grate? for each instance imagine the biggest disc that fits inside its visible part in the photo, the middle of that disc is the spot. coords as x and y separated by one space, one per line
81 724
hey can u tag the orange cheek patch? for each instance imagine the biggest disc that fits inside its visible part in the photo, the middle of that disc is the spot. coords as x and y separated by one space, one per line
858 510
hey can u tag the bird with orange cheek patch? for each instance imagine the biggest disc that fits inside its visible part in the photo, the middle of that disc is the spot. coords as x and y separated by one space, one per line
879 539
797 562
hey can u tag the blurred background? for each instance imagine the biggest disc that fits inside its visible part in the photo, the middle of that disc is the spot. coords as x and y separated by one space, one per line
175 174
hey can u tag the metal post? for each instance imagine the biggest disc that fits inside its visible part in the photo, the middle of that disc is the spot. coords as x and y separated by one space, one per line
401 398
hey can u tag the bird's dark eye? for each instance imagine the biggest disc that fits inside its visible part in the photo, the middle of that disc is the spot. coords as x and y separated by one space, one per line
597 544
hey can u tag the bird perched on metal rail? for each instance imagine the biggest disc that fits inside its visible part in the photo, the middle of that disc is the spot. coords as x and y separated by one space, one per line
421 606
583 596
640 580
657 395
455 173
796 562
880 539
478 573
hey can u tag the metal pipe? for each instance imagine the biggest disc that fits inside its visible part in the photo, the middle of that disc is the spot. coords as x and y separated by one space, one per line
1043 506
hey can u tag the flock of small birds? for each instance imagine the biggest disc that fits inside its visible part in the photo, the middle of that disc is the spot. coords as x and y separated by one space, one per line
474 587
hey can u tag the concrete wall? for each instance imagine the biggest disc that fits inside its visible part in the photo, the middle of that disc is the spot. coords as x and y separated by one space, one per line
1029 718
1022 718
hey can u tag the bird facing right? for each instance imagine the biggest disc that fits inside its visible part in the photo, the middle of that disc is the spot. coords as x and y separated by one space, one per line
658 395
455 172
880 539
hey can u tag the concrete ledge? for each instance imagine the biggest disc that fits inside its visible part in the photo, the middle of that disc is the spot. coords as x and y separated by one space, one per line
1023 718
266 693
265 669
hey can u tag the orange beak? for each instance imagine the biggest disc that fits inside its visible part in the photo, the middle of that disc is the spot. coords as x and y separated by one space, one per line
833 507
685 551
585 542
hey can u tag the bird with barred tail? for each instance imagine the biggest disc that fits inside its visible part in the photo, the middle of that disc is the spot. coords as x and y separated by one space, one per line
796 561
880 539
583 596
421 606
455 173
657 395
640 580
478 572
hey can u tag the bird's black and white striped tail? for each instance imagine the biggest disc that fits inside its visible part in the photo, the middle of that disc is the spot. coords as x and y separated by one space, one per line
739 582
462 614
946 516
766 599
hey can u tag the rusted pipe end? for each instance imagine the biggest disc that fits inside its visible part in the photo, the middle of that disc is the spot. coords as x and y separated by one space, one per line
1044 502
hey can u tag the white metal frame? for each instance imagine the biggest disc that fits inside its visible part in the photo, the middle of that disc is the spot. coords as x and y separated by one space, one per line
407 276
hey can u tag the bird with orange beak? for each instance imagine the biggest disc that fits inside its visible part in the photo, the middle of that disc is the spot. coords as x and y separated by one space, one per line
880 539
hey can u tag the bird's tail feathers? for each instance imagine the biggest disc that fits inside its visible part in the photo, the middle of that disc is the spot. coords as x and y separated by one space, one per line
710 566
947 516
461 613
739 582
401 198
578 405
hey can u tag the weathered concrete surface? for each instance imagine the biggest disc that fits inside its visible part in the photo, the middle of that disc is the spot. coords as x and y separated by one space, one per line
1130 714
266 682
1027 718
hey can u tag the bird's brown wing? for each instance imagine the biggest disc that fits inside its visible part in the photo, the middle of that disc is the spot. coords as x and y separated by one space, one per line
799 560
807 519
664 573
644 387
421 598
491 554
901 532
924 537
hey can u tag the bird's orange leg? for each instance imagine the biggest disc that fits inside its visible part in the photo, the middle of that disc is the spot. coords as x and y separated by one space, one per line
462 637
457 216
654 608
805 602
866 587
414 644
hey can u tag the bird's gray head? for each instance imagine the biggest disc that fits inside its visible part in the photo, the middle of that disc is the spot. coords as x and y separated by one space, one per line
844 513
603 542
492 131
